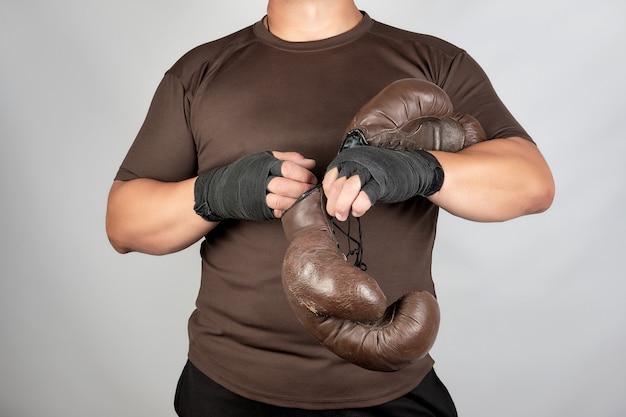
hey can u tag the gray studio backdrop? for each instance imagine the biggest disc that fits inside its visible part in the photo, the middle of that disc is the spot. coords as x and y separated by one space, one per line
533 309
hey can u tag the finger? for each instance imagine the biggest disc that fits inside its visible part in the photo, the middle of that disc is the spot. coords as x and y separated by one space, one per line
287 187
332 191
329 179
279 203
298 173
361 204
344 192
296 158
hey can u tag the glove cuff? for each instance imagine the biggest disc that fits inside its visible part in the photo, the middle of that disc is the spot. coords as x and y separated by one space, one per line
353 138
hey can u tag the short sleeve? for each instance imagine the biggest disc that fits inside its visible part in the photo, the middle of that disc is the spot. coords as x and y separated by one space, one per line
164 148
472 93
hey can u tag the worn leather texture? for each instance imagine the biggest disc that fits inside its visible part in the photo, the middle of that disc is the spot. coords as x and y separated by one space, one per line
341 305
415 114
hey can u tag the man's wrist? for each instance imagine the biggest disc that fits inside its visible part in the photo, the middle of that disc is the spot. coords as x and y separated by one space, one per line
437 170
201 203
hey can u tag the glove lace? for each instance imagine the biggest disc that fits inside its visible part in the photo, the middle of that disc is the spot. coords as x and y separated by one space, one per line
357 251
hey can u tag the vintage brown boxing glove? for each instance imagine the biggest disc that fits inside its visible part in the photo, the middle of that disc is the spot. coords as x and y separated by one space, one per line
341 305
413 114
315 273
408 115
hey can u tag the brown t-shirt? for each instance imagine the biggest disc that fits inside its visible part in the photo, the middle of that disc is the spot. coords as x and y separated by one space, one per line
251 92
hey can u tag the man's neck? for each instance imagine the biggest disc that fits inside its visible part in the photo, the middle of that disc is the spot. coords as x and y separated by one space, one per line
311 20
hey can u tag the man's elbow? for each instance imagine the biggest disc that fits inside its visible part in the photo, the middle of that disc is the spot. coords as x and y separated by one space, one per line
542 195
115 238
119 248
539 181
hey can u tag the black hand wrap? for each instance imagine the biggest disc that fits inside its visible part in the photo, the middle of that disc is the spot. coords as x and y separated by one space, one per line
238 190
389 175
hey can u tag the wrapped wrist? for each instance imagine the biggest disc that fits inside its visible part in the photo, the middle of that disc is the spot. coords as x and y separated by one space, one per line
238 190
389 175
201 204
437 173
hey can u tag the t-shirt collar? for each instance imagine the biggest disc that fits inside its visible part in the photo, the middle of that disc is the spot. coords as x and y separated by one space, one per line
344 38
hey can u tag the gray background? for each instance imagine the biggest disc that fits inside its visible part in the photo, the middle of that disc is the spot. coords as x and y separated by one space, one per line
533 311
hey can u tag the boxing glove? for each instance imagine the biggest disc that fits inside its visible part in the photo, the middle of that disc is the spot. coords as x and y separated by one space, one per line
315 272
341 305
412 114
336 302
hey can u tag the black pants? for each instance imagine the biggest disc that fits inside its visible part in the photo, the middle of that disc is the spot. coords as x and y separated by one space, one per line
198 396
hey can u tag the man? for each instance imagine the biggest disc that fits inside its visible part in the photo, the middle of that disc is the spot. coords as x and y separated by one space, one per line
199 168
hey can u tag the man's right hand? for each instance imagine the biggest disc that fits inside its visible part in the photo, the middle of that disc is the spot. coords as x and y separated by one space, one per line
256 187
296 178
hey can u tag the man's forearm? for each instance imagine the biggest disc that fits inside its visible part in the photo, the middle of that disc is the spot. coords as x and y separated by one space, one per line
496 180
154 217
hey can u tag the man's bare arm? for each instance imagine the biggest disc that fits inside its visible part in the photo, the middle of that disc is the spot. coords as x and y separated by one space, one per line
154 217
495 180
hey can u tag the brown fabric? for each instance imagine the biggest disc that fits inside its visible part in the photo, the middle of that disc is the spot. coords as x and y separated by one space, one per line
251 92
